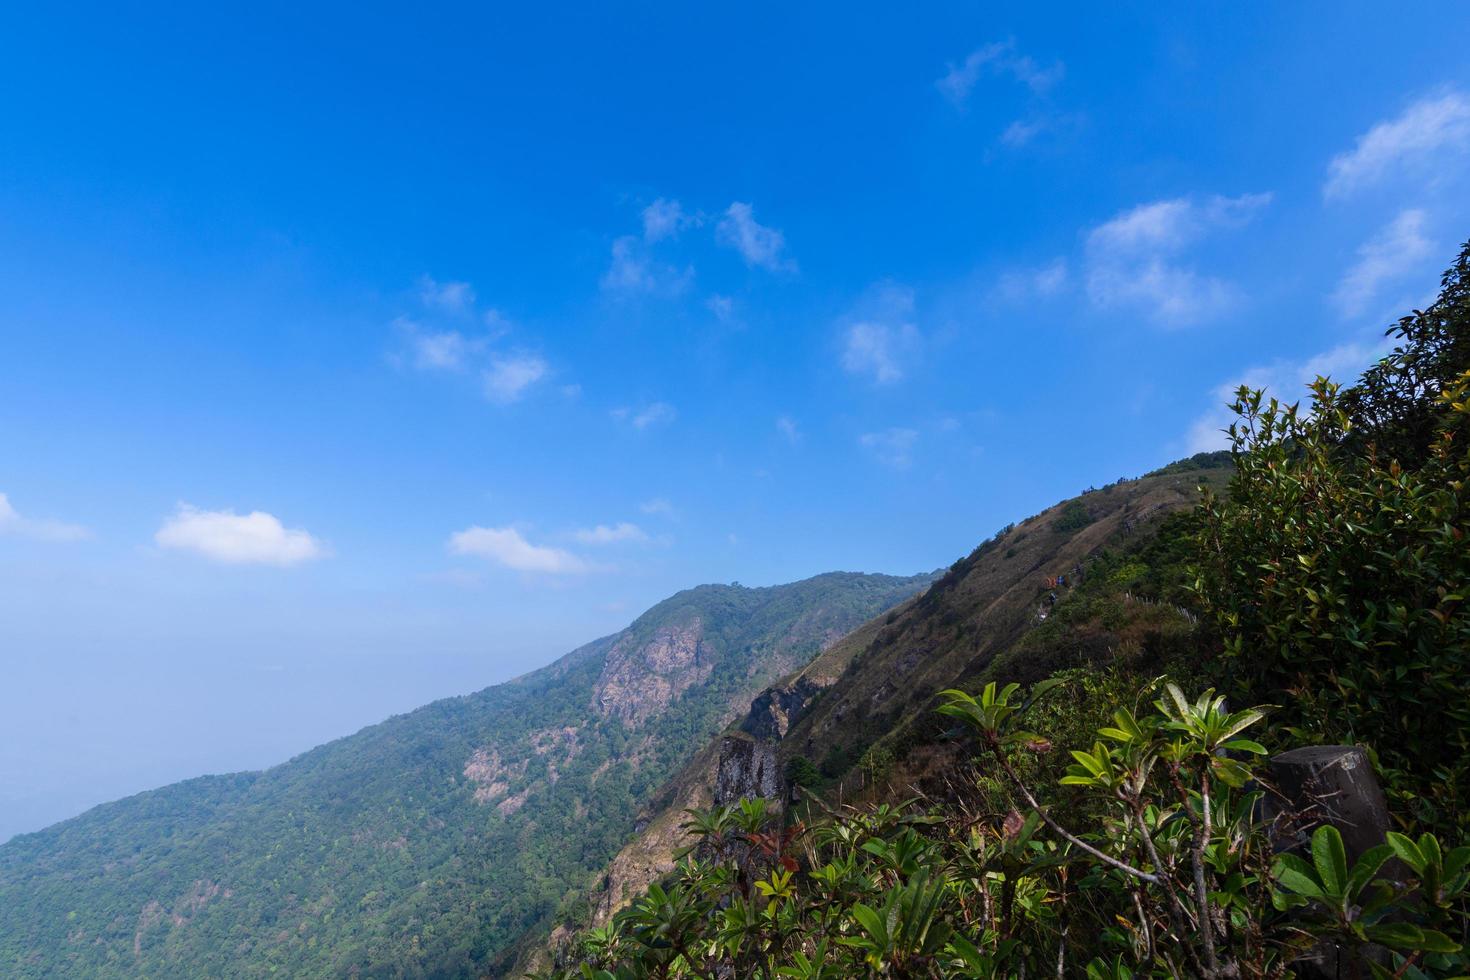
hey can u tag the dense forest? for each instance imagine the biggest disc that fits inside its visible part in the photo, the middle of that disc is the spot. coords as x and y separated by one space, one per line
1102 795
425 845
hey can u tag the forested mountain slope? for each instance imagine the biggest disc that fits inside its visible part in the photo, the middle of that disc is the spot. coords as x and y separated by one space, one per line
422 846
846 712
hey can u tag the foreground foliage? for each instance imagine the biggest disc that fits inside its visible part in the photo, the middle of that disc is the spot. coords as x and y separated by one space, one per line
1174 874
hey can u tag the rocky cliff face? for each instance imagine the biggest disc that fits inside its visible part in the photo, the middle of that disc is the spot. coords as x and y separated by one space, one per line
643 676
747 768
780 706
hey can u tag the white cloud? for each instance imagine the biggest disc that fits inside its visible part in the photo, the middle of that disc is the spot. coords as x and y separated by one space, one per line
999 58
891 447
629 271
497 324
610 533
1132 259
1042 282
447 297
757 244
505 546
723 307
1174 223
1399 249
39 529
431 350
238 539
665 219
881 336
871 349
1021 132
510 375
657 413
1409 143
1282 379
658 506
788 428
632 271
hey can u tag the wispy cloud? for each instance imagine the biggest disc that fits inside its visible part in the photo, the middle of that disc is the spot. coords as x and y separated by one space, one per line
1411 143
881 338
255 538
633 271
723 307
610 533
1041 282
437 350
506 547
506 376
446 297
892 446
665 219
39 529
872 350
998 58
658 506
1399 249
509 376
1286 380
1023 131
1133 260
789 430
759 245
655 413
630 270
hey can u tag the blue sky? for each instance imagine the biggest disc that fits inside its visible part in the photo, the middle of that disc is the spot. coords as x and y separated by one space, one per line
355 356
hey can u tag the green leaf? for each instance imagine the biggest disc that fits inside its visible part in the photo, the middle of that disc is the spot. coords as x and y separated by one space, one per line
1330 859
1297 876
1245 745
1367 866
1042 687
1406 851
1456 861
1402 935
871 922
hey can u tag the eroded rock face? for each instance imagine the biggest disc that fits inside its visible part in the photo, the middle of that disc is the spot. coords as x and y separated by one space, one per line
778 708
490 776
747 768
640 679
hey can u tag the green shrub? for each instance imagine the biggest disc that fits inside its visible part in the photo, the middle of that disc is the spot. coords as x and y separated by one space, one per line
1074 517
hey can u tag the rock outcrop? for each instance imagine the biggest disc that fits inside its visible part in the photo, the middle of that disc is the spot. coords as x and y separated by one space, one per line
642 677
780 706
747 768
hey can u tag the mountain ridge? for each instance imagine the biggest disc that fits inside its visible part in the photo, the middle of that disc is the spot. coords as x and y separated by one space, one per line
420 845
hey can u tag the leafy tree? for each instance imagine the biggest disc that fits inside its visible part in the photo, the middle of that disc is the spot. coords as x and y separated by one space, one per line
800 771
1336 568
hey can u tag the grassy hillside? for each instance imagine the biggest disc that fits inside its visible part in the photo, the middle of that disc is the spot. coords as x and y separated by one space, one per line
422 846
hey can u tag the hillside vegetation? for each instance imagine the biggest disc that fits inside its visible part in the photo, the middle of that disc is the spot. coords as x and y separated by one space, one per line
863 708
1063 772
423 846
